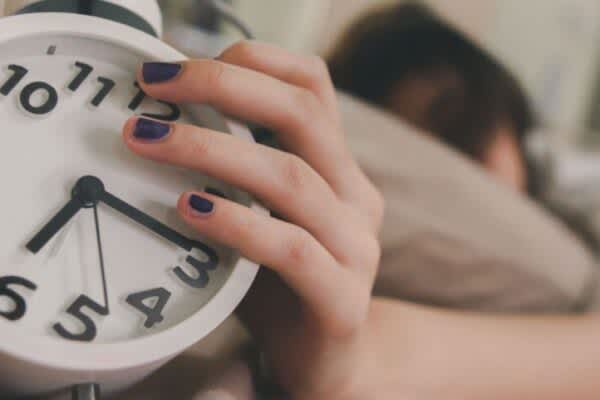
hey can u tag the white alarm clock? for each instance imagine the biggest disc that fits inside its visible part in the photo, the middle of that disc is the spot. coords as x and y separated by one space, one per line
100 281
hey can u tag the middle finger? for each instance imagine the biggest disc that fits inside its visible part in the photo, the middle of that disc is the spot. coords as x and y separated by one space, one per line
282 181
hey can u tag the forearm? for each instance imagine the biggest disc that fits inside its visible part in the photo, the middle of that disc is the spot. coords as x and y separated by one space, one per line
422 353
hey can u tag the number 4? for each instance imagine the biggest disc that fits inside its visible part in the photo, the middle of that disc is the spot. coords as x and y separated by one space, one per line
152 312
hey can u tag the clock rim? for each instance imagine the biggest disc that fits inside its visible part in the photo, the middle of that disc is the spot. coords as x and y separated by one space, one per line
65 355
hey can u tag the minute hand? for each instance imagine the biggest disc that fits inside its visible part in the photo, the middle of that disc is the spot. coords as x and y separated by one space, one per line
146 220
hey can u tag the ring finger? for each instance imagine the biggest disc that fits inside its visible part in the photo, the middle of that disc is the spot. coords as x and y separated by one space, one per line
290 251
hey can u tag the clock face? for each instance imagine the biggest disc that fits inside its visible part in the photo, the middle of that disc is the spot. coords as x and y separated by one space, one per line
91 247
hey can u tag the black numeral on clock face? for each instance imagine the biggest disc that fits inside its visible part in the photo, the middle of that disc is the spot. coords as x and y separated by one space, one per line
137 99
19 73
20 306
107 86
84 71
51 96
200 267
153 313
49 103
76 310
173 111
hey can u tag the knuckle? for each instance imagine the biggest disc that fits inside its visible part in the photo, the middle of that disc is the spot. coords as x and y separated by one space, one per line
318 69
241 50
200 147
298 249
243 228
306 106
352 313
371 249
295 175
364 254
215 70
371 206
377 208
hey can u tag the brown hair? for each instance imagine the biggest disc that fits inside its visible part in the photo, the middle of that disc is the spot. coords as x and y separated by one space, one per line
405 41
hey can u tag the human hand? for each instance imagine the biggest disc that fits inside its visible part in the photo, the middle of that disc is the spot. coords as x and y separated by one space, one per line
308 310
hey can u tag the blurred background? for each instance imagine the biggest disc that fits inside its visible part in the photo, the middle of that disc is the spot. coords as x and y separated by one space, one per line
549 45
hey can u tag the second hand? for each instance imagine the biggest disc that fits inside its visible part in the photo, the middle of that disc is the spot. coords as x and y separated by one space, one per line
101 255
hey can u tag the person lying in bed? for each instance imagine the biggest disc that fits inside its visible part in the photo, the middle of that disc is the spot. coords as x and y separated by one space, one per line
410 62
406 60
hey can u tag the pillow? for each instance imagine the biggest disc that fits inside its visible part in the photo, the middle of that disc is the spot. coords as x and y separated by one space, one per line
454 237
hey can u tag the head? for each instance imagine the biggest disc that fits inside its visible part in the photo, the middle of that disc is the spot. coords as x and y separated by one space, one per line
412 63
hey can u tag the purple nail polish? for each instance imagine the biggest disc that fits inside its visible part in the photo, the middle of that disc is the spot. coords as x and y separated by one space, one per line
201 205
157 72
148 129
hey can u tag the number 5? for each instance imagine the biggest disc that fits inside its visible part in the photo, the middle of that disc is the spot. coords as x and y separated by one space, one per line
76 310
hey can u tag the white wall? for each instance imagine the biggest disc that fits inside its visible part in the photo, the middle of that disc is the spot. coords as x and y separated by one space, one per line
316 25
308 25
553 44
294 24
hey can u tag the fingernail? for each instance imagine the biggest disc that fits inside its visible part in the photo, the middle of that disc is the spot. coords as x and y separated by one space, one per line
201 205
215 192
148 129
157 72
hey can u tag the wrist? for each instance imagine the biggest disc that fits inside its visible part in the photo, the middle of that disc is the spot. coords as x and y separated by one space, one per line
343 374
364 379
389 353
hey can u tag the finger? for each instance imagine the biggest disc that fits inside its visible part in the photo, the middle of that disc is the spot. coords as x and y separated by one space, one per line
284 182
310 72
332 293
304 127
307 71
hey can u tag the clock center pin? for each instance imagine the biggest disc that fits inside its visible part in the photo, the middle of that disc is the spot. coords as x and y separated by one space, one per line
88 190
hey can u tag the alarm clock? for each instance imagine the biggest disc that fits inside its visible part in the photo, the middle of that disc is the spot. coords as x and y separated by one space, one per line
100 281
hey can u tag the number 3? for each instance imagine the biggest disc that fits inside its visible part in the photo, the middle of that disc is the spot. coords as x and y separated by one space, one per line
201 267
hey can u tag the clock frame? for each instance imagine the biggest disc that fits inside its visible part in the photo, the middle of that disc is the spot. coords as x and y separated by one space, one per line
31 364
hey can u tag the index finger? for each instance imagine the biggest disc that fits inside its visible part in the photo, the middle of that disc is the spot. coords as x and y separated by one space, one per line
296 114
307 71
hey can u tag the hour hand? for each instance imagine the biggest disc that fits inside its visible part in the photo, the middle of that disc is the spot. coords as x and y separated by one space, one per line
54 225
84 194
